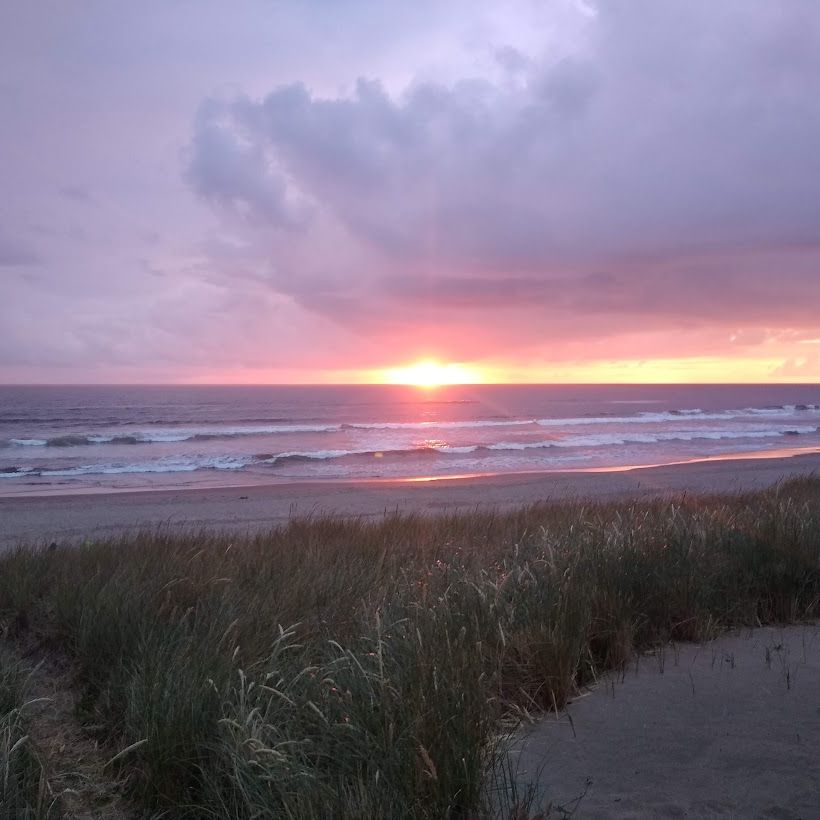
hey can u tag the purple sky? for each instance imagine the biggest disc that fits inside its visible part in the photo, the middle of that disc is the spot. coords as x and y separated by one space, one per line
311 191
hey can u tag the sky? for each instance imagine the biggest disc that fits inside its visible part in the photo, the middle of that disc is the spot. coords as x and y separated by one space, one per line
334 190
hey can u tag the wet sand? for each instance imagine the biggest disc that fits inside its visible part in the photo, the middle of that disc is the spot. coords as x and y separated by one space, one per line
43 519
727 729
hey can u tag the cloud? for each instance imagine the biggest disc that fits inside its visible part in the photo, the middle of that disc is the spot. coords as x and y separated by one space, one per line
16 253
236 173
533 181
803 367
665 172
76 193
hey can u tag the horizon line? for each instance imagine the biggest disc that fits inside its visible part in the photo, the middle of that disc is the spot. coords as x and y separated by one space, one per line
418 387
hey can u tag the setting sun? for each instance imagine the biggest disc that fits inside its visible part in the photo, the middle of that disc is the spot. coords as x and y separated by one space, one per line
428 374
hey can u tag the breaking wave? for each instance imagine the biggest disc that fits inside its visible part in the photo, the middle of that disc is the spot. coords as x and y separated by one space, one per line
182 434
604 440
193 463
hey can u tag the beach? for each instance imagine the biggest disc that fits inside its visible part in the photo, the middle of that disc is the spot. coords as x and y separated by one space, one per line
86 515
361 663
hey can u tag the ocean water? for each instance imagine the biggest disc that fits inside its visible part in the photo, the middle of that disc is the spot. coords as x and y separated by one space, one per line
67 438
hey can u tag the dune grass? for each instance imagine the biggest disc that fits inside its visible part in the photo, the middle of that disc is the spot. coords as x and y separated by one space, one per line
353 669
24 790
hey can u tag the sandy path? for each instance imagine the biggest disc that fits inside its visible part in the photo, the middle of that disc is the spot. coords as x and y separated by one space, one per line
728 729
74 517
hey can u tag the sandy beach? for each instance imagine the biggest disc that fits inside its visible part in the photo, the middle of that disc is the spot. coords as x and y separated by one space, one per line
727 729
38 519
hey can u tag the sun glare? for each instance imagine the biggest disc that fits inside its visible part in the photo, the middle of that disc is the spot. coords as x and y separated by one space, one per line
429 374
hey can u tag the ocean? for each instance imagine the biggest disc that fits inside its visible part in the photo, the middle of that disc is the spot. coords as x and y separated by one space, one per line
59 439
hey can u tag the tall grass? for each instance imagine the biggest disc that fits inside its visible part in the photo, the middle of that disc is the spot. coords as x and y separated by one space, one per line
24 789
341 668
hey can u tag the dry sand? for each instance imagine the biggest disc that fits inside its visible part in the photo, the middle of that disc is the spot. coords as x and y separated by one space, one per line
727 729
38 519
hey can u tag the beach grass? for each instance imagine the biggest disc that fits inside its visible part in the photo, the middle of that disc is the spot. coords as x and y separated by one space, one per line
349 668
24 790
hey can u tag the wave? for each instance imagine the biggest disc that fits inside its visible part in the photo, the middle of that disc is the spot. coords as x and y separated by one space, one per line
91 419
178 436
224 462
160 466
695 414
605 440
325 455
193 434
11 472
782 409
314 455
437 425
640 418
170 436
79 421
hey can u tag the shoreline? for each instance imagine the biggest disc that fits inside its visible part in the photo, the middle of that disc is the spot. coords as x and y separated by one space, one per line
46 491
256 507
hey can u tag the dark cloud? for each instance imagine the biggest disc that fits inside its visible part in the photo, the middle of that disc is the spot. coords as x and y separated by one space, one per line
76 193
16 253
512 60
666 169
237 173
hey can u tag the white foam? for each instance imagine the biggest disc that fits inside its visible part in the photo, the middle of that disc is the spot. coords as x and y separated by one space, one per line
695 414
440 425
161 466
642 418
324 455
316 455
161 436
174 436
611 440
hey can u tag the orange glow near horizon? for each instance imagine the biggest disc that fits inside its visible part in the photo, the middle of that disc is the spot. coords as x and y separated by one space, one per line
429 374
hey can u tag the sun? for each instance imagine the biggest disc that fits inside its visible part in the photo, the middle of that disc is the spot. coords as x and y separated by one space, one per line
429 374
